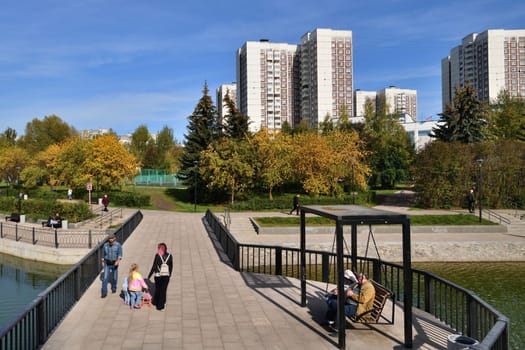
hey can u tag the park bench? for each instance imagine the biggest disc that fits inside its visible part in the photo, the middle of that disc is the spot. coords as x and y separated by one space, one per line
47 223
13 217
373 315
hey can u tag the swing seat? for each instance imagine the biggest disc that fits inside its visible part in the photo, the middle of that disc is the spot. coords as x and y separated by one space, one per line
373 315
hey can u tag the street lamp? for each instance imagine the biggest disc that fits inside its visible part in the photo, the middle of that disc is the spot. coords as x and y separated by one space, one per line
19 193
195 168
480 190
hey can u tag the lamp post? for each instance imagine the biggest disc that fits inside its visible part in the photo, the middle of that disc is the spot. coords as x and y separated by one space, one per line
195 168
19 193
480 189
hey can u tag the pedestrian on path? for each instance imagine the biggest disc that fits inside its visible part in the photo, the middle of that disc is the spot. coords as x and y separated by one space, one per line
295 205
162 269
471 199
105 202
112 254
69 194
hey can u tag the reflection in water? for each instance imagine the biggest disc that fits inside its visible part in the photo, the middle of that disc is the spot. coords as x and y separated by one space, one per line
22 280
497 283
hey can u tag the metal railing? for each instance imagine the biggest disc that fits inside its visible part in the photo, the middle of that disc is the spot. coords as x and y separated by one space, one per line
32 327
455 306
493 216
52 237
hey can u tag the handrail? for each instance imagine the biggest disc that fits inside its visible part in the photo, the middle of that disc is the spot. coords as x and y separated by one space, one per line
497 216
34 325
455 306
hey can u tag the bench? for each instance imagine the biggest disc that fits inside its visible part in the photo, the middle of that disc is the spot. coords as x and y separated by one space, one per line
47 223
13 217
373 315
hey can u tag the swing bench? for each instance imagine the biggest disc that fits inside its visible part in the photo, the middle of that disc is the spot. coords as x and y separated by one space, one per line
374 315
382 294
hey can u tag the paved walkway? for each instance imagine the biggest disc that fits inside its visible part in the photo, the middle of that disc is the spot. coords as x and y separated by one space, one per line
211 306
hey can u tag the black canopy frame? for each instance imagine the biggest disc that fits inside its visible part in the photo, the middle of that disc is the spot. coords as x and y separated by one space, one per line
355 215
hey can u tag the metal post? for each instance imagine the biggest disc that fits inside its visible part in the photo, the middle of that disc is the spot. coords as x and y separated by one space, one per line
195 168
480 190
19 194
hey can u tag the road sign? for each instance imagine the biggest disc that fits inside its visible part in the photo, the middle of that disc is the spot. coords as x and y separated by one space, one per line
89 186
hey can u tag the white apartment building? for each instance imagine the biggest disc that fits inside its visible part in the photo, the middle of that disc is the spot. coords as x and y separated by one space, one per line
221 92
360 98
326 75
491 61
402 101
267 84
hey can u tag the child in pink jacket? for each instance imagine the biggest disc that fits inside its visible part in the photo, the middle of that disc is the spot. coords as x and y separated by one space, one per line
135 286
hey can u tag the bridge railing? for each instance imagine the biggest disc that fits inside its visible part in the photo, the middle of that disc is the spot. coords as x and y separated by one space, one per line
457 307
32 327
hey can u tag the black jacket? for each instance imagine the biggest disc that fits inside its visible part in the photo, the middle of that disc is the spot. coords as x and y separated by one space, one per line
157 261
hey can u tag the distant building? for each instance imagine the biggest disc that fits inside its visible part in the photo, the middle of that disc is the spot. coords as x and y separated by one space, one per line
360 98
327 79
89 134
279 82
491 61
401 101
231 90
267 84
419 132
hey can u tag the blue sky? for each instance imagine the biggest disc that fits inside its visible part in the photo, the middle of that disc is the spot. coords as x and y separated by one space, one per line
120 64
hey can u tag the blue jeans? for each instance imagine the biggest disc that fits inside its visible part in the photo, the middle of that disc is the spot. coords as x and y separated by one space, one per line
107 270
135 298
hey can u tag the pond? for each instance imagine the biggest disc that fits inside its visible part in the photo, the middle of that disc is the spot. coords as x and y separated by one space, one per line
496 283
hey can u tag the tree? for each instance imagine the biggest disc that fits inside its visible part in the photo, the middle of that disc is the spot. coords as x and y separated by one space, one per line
39 134
8 138
13 160
335 155
272 158
200 135
326 125
507 116
226 165
465 120
344 121
389 146
235 123
140 141
108 163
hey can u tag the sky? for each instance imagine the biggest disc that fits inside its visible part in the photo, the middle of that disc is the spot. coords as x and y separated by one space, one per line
114 64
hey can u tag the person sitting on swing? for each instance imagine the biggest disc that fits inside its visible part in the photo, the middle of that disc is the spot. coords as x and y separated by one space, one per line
358 300
350 282
362 300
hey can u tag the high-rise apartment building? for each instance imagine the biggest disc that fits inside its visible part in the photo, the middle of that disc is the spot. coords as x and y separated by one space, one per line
326 75
491 61
267 84
231 90
400 101
278 82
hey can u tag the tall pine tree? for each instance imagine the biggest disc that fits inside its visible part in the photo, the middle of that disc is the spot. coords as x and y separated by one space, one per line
201 132
464 121
235 124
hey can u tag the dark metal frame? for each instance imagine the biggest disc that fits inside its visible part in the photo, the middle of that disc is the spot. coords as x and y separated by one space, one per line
357 215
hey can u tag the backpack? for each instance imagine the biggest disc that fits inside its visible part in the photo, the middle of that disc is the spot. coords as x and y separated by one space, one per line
164 268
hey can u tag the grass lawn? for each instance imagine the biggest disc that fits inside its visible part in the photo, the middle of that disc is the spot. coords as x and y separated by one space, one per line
416 220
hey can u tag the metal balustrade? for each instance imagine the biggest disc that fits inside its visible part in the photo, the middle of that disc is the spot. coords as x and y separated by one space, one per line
33 326
457 307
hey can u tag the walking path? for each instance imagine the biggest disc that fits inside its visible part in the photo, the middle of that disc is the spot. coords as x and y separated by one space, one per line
212 306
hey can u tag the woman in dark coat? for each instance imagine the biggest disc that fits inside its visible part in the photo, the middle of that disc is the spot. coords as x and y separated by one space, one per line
161 282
